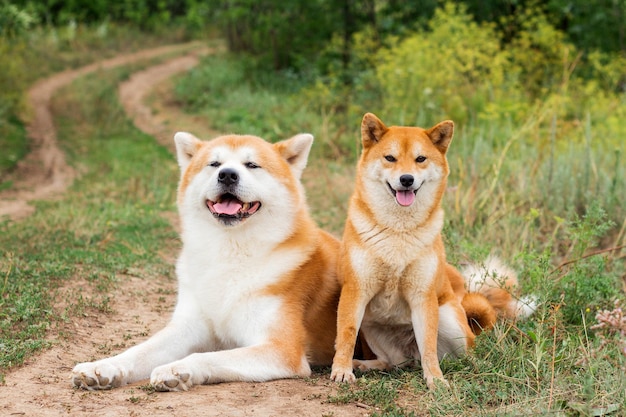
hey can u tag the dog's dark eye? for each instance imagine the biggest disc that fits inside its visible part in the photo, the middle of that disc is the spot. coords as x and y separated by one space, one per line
214 164
251 165
420 159
390 158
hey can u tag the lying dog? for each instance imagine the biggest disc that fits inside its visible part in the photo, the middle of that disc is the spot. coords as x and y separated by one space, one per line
398 289
257 287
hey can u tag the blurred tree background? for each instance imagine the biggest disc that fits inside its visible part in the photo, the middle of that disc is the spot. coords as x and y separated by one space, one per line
287 32
551 71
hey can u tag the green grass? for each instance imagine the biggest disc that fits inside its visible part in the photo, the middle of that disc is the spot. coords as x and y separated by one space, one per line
43 51
557 216
108 223
552 208
12 134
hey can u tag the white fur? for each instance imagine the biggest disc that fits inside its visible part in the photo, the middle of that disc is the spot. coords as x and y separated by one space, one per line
451 340
491 273
219 329
494 273
396 248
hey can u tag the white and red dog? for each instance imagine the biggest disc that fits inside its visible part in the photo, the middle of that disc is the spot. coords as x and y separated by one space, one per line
398 287
257 288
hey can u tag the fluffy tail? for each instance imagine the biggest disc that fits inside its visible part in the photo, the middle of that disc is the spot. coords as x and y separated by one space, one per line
490 294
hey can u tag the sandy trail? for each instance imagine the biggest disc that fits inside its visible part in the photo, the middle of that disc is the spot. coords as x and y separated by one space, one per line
41 387
44 173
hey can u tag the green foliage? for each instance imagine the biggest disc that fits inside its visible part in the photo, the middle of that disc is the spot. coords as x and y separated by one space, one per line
15 21
237 97
12 80
109 223
12 134
595 24
12 85
381 391
41 51
453 70
537 176
527 368
587 284
539 52
146 14
279 32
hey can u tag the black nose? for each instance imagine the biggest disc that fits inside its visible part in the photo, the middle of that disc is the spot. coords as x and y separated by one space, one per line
406 180
228 176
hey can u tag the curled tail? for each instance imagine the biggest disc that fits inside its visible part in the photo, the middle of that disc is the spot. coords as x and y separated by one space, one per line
490 288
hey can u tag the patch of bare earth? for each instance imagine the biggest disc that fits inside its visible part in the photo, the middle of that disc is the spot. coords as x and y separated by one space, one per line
139 306
44 173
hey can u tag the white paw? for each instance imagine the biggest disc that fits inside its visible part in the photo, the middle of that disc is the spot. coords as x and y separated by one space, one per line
339 374
97 375
171 377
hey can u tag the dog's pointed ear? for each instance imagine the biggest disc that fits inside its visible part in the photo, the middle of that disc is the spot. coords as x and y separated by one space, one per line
296 151
372 129
441 135
186 147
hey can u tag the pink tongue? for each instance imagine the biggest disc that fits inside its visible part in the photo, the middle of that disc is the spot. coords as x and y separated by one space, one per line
229 207
405 198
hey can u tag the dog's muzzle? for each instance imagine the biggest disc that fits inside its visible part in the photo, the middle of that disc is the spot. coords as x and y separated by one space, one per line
228 207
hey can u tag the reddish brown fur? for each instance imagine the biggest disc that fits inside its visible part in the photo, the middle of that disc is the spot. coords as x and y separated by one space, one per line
307 323
423 293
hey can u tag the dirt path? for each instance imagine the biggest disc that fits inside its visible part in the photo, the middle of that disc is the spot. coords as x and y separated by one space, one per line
44 173
41 387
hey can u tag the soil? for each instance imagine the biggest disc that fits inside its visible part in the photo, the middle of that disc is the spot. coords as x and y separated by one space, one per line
41 386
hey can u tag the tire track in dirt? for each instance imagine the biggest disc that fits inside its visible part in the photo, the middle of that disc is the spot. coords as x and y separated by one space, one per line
44 173
140 307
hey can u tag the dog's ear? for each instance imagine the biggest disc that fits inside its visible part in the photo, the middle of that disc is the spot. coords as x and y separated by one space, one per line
372 129
296 151
441 135
186 147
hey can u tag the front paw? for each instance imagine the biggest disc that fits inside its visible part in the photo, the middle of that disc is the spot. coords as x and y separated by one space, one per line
436 382
342 374
97 375
171 378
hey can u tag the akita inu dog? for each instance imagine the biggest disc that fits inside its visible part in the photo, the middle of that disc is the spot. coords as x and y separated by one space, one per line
398 289
257 286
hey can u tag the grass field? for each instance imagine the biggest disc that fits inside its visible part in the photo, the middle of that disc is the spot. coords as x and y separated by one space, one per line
109 222
44 51
554 211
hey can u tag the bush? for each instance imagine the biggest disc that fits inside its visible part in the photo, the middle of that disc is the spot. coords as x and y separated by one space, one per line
450 71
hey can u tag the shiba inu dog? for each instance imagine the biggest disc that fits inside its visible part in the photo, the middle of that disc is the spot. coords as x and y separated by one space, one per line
398 289
257 286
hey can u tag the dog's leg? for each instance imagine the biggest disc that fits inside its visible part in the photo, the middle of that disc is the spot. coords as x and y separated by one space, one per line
393 346
367 365
177 340
352 304
254 363
425 319
454 334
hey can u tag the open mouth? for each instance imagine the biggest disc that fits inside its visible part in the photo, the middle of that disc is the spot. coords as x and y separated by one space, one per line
229 207
404 197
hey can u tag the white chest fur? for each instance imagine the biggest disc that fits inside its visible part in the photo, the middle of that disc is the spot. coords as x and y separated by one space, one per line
226 280
394 265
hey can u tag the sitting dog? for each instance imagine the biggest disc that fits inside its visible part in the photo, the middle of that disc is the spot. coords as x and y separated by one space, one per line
398 288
